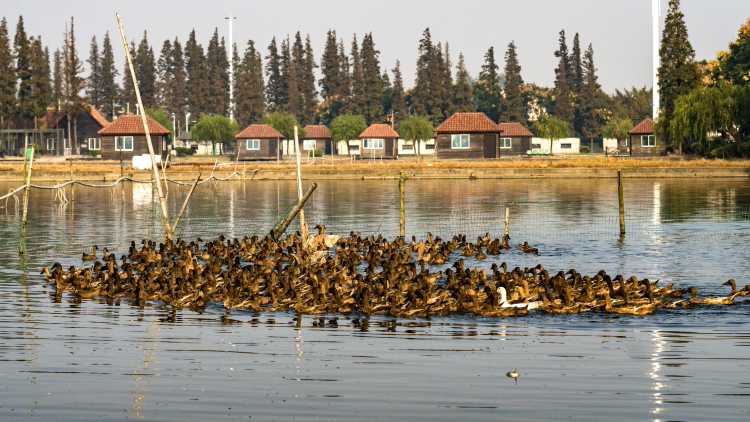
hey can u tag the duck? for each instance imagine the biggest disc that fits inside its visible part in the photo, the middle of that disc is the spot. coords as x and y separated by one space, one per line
711 300
514 375
504 303
632 310
89 257
526 248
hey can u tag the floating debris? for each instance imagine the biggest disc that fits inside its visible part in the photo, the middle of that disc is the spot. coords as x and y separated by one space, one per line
514 375
359 275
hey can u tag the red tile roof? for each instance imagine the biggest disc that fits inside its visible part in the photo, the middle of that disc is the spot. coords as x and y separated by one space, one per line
645 127
468 123
98 117
258 131
514 130
130 124
317 132
378 131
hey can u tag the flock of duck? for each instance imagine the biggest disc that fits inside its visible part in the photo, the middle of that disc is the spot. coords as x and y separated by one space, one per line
362 275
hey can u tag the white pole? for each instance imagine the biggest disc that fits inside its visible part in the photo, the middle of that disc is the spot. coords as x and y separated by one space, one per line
300 194
655 13
230 53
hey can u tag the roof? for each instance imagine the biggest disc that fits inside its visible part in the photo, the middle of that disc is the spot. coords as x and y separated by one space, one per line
54 117
98 116
317 132
131 124
377 131
514 130
468 123
645 127
258 131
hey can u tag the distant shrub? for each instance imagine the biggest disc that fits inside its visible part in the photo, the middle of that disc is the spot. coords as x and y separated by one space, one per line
183 151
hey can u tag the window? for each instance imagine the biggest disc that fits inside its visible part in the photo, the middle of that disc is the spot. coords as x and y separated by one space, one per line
460 141
506 143
66 143
536 146
429 146
648 141
566 146
407 146
309 144
95 144
123 143
373 144
252 144
51 144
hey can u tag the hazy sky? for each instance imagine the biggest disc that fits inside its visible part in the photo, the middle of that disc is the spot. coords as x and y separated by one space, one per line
619 29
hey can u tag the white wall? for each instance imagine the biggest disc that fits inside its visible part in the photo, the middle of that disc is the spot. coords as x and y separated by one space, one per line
542 146
609 145
420 147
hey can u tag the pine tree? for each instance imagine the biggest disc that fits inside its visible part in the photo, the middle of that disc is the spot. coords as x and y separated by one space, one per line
7 77
218 75
591 118
372 78
330 66
275 89
249 84
164 73
563 109
576 67
515 104
439 88
357 102
145 65
398 99
309 92
387 100
40 77
93 82
57 80
678 74
345 87
21 46
127 96
108 79
175 97
463 98
72 84
197 78
446 105
423 98
487 88
292 58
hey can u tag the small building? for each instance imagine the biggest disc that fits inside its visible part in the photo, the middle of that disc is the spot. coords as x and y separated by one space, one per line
377 141
258 142
642 141
126 137
565 146
84 126
514 139
467 135
317 140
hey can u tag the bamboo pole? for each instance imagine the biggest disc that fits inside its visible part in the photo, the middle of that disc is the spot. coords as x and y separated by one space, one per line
621 201
402 205
27 190
184 204
302 225
280 228
154 167
506 230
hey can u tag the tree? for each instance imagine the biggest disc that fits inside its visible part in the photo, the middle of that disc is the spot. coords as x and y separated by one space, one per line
175 91
217 100
677 73
164 72
197 78
57 80
552 128
735 64
72 84
591 112
283 122
93 82
372 79
347 127
357 101
275 89
702 111
576 67
214 128
345 87
487 87
416 129
309 92
398 100
423 99
563 108
463 99
618 128
108 76
515 105
162 117
634 103
7 77
127 95
249 85
41 90
332 84
145 68
23 73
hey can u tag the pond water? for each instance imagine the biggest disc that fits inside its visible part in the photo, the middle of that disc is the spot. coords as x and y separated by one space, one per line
92 361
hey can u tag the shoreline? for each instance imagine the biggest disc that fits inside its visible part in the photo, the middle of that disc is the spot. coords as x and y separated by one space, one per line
344 169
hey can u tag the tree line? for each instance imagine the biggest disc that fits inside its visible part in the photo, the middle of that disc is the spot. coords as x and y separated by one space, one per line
281 78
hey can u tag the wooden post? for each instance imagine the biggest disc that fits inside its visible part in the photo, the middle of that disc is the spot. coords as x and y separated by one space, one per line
402 205
184 204
621 201
144 121
280 228
302 225
506 231
29 158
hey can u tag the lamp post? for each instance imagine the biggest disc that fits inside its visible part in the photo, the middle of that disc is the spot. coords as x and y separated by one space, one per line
655 15
230 52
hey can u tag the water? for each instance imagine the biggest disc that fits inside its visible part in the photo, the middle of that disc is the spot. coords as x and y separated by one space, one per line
92 361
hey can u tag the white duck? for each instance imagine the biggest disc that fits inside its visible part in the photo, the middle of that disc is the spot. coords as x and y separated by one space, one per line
505 304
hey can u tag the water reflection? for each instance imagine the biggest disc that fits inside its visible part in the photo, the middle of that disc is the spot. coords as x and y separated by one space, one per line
657 380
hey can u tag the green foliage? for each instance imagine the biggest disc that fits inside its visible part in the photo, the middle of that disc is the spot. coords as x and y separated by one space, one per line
284 123
552 128
347 127
416 128
249 87
635 103
7 76
735 65
183 151
487 89
463 97
214 128
704 110
162 116
108 88
515 103
617 128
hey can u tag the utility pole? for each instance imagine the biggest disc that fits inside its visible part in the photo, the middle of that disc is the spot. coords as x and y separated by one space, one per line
655 14
230 53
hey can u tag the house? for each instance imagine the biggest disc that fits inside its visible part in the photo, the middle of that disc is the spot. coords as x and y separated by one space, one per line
564 146
85 126
514 139
467 135
126 137
642 141
317 140
377 141
258 142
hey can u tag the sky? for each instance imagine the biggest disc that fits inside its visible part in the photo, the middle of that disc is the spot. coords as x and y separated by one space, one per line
620 30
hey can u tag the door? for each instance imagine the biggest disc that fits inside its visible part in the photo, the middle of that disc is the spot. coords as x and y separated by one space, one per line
490 146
